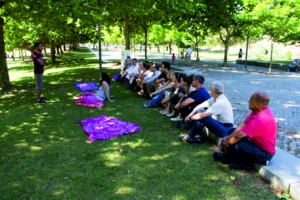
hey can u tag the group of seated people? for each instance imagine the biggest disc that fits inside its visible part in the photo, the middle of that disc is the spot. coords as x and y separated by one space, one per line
184 99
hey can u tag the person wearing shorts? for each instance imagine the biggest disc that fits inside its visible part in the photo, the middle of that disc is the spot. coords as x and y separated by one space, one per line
39 63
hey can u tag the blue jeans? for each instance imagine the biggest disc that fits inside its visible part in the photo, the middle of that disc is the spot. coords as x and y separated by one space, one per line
213 126
246 152
157 98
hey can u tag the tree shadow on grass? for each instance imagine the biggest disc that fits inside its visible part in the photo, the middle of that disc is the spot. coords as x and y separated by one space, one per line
47 155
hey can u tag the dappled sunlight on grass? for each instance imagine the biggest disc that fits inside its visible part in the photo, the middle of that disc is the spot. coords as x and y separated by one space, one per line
21 144
35 148
160 157
125 190
45 155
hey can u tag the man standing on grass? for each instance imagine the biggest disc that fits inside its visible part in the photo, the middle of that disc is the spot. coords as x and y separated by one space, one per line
254 140
39 63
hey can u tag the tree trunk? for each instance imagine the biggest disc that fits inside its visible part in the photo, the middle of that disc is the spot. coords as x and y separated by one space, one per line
53 52
45 51
4 77
60 48
57 49
271 55
65 49
146 38
170 47
226 44
127 34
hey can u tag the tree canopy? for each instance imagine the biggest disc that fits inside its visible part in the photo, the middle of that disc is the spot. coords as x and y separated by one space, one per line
180 22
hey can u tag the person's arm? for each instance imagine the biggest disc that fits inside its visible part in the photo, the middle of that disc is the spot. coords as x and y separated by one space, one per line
40 62
185 103
205 104
167 85
106 91
233 138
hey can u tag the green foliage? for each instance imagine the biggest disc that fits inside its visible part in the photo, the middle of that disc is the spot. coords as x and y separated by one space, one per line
288 55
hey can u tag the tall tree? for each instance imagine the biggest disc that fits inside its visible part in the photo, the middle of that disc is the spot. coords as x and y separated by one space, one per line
278 19
4 77
222 17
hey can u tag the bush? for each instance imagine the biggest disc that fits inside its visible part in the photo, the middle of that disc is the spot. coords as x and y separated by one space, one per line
288 55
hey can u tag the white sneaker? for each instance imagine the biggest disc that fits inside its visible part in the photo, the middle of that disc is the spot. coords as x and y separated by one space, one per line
175 119
163 112
170 115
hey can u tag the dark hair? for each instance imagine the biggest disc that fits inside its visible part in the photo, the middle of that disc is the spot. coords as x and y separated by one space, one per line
36 44
146 66
191 78
200 79
156 66
105 77
167 65
185 78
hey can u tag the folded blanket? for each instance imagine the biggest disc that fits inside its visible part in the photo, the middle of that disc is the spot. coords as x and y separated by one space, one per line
86 86
104 128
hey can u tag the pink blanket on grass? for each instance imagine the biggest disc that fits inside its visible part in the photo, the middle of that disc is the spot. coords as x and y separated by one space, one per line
89 99
104 128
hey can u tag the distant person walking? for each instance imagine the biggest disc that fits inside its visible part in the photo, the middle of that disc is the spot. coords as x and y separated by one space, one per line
39 63
173 58
188 55
240 54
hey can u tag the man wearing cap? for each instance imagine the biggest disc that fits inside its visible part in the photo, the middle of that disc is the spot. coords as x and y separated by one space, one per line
219 107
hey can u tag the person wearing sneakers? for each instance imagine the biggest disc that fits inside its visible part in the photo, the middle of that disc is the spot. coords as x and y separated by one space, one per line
39 64
219 107
253 141
192 99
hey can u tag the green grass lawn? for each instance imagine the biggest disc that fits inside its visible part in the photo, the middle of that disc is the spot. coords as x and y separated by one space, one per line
45 155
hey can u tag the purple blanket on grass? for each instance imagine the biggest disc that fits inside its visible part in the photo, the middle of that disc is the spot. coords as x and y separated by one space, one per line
86 86
104 128
89 99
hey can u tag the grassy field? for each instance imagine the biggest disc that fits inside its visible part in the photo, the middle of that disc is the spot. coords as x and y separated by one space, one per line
45 155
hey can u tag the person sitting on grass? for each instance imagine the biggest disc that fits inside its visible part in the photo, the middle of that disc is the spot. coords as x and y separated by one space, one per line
253 141
159 94
175 95
133 69
101 95
143 73
147 85
192 100
219 107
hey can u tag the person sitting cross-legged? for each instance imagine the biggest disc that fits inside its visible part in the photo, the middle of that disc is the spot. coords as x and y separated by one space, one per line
192 99
219 107
253 141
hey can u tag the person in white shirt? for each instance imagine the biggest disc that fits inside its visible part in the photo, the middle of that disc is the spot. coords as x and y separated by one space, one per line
133 69
218 117
188 55
147 85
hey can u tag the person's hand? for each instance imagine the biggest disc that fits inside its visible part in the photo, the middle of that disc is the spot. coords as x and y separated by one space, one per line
221 145
177 106
220 141
187 119
151 94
